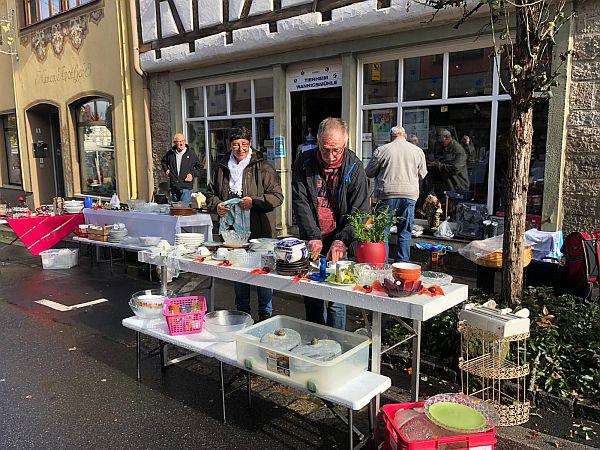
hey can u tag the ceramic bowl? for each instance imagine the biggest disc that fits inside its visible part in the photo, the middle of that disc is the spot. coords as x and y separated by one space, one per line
150 240
290 250
235 237
406 271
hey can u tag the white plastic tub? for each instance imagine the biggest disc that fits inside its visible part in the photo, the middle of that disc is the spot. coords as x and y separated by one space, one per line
63 258
287 367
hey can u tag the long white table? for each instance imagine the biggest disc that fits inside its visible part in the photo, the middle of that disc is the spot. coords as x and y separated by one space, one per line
353 395
152 224
417 308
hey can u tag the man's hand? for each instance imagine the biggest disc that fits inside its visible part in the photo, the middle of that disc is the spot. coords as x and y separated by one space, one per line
315 246
337 251
246 202
189 177
222 210
168 172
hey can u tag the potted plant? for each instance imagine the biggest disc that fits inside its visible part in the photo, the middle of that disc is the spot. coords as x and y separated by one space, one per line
369 231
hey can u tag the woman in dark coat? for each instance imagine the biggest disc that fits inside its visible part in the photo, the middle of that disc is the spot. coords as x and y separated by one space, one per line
244 173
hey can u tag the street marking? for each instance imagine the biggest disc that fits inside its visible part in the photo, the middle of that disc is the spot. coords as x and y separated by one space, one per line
63 308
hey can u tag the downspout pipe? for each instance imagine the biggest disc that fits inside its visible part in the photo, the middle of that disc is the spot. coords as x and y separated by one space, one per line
146 92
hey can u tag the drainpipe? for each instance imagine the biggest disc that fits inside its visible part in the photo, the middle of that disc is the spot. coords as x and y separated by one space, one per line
146 90
127 100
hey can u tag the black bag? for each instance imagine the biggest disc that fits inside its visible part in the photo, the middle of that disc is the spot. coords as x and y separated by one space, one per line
470 217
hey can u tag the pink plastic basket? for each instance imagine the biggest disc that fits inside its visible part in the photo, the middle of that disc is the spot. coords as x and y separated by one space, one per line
187 321
395 440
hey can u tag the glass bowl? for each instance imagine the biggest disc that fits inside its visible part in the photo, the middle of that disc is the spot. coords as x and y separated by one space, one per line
223 324
367 274
248 260
235 237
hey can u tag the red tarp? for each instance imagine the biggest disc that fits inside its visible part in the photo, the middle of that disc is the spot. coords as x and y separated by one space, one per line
41 233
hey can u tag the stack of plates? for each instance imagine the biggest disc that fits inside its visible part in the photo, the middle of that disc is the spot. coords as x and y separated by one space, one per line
189 239
292 269
117 235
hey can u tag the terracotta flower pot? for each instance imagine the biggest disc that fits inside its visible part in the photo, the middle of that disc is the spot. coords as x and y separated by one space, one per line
370 252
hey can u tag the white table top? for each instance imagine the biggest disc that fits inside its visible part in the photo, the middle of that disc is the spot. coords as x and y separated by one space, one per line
151 224
3 222
133 248
356 394
416 307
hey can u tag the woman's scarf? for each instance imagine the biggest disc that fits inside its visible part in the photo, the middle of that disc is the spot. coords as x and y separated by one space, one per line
236 172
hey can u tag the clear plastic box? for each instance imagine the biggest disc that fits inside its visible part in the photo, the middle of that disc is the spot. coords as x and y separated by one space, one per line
59 258
287 367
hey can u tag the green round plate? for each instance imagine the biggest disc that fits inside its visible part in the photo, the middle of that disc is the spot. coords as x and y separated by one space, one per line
454 416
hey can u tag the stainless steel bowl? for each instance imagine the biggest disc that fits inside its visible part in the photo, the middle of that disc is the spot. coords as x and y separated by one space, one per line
224 324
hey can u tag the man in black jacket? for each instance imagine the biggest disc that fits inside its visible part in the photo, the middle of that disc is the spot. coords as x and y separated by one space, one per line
328 183
181 165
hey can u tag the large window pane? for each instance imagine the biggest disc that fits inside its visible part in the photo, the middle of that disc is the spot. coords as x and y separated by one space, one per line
423 77
56 7
216 98
537 164
96 148
196 141
218 136
11 145
45 9
380 82
471 73
263 95
264 136
240 97
376 130
456 164
194 100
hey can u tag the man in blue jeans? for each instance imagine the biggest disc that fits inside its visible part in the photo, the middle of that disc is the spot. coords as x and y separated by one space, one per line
181 165
397 168
328 183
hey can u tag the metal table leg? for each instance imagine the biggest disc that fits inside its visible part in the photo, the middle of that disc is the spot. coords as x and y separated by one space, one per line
249 389
138 341
163 279
350 429
212 294
222 390
416 361
376 350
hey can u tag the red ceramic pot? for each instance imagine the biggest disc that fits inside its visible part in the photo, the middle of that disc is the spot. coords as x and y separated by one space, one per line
370 252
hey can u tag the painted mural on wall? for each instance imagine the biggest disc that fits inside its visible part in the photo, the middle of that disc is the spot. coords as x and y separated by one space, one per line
55 36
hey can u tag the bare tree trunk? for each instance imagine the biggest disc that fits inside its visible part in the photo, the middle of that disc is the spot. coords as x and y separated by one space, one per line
516 203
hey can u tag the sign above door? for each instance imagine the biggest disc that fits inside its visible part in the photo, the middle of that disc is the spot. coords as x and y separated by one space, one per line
314 77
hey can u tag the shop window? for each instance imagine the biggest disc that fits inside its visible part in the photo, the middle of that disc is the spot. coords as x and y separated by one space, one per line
380 82
263 95
537 163
423 77
241 103
11 146
216 99
457 163
38 10
470 73
197 142
194 100
95 140
376 130
247 103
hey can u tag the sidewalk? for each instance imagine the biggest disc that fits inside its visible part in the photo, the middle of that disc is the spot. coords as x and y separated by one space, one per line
164 411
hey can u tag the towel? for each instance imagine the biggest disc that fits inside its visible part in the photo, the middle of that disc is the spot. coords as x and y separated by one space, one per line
237 217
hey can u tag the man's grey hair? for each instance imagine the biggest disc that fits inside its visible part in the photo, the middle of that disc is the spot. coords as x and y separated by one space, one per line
333 123
176 135
444 132
397 131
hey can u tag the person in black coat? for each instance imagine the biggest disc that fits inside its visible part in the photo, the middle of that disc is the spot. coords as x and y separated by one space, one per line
181 165
328 183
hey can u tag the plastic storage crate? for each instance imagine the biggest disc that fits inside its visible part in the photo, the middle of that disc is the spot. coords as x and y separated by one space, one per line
63 258
290 368
394 439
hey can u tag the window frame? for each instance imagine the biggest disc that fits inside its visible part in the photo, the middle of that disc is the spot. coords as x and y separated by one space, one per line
7 148
400 55
66 9
203 83
75 108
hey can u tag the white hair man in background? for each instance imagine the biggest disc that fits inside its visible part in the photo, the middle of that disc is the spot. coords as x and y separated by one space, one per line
397 168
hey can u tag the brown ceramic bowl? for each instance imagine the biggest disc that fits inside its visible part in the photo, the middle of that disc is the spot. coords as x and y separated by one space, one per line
406 271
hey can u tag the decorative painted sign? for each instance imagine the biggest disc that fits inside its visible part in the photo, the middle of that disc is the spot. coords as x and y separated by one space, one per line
316 77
